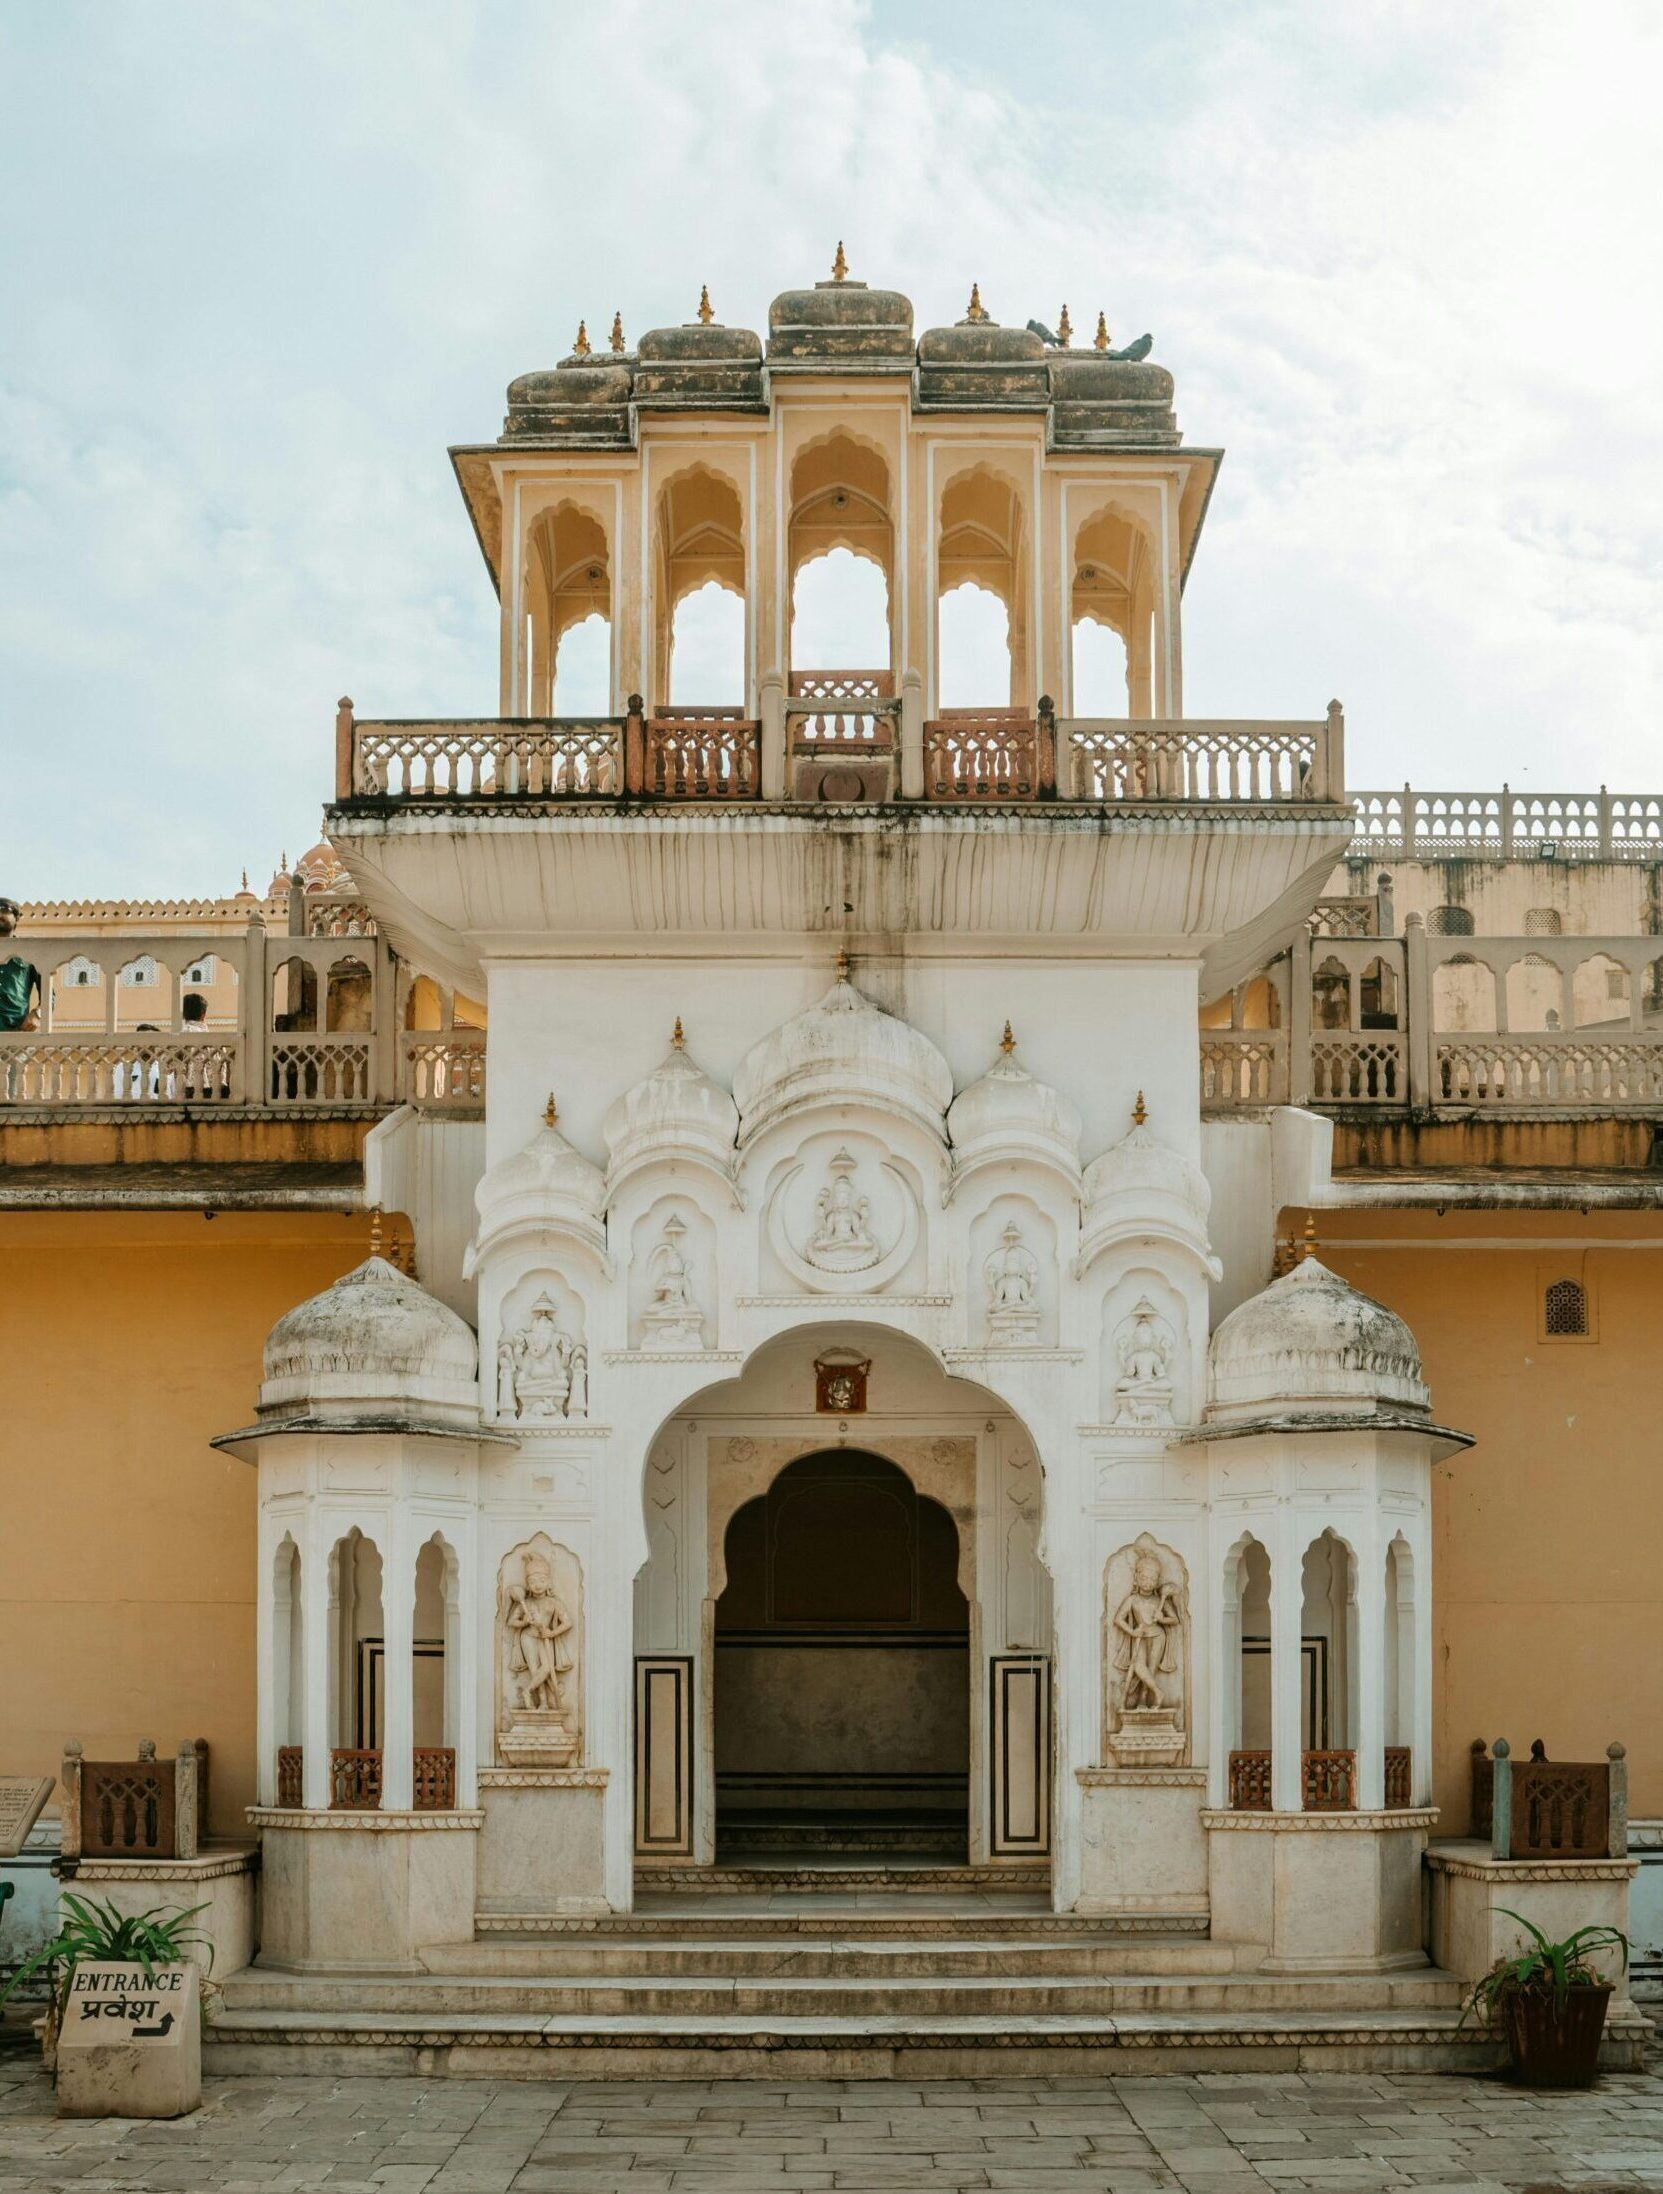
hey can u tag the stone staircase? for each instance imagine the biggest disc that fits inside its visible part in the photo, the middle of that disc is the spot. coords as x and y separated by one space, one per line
910 1973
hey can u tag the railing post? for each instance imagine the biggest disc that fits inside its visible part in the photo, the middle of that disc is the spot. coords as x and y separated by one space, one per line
1045 759
1408 826
1332 786
186 1825
384 1026
255 1013
1501 1803
69 1809
1506 821
1299 1017
772 734
1604 824
1616 1832
1417 1013
912 735
635 747
297 907
343 748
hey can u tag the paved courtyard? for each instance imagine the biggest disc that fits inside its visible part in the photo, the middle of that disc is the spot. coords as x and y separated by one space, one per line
1215 2134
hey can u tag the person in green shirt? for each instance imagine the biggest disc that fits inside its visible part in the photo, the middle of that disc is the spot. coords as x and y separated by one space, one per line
20 985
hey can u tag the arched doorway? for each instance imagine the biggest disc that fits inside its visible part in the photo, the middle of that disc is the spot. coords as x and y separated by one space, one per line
842 1668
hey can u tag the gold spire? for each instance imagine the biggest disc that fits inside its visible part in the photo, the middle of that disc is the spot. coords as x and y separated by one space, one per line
1007 1042
1065 328
245 880
840 265
617 331
1140 1111
678 1041
375 1231
975 310
580 347
1100 341
551 1111
1308 1242
707 311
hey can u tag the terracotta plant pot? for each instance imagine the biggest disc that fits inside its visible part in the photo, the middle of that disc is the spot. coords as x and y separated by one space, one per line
1556 2045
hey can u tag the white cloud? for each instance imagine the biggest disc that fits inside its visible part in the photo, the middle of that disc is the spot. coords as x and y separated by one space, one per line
1398 257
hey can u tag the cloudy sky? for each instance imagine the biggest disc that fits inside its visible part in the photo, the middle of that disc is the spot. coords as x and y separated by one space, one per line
264 259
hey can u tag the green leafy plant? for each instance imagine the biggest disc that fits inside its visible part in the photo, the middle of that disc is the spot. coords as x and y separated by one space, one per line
1545 1969
91 1933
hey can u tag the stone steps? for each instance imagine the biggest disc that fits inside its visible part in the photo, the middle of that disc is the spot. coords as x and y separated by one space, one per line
838 1875
767 1952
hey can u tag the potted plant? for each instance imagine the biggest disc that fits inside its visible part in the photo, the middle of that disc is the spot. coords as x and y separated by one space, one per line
94 1933
1550 2000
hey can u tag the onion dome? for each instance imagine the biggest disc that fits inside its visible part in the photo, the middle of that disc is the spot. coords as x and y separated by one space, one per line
842 321
1102 402
583 402
677 1115
547 1186
1311 1344
374 1346
845 1050
1142 1188
1008 1116
702 366
980 366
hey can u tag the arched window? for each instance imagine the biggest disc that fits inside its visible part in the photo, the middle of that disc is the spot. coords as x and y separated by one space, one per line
699 592
1565 1310
981 570
840 558
975 667
1543 922
568 592
1450 922
139 972
840 614
707 648
1111 616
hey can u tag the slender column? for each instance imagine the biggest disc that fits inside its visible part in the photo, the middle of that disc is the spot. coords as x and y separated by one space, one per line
773 720
462 1684
398 1627
912 735
1420 1711
1224 1706
1299 1018
1287 1608
267 1683
1369 1736
317 1596
1418 1013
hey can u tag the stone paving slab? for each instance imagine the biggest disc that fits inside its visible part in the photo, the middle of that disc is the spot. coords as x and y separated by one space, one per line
1210 2133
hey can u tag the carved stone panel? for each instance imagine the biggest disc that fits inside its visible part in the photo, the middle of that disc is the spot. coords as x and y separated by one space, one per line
542 1369
539 1655
1146 1656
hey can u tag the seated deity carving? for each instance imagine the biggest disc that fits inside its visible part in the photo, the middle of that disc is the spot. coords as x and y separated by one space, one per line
672 1319
1143 1349
1012 1275
842 1240
542 1372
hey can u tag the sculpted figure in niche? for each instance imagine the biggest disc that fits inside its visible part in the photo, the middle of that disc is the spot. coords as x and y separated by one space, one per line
538 1626
542 1373
671 1319
1150 1623
1012 1275
842 1239
1143 1392
538 1644
1146 1644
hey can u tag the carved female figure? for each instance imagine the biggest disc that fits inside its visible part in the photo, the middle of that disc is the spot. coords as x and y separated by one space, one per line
537 1627
1149 1620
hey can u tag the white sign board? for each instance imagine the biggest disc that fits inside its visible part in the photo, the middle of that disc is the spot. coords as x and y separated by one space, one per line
21 1798
131 2043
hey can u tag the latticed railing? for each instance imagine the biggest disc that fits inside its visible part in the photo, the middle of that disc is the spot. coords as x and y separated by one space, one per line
1327 1780
444 1070
1504 825
120 1070
702 754
841 708
1359 1069
1549 1071
1250 1782
1193 759
433 1780
1243 1067
1399 1776
987 754
320 1070
1551 1809
290 1789
354 1780
505 758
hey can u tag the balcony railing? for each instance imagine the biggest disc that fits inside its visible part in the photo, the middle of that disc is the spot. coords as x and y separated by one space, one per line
1509 826
1327 1780
355 1778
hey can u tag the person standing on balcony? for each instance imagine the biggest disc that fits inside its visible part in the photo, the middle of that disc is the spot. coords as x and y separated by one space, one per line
21 992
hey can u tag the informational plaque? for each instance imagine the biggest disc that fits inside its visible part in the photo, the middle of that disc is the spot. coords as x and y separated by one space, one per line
131 2042
21 1798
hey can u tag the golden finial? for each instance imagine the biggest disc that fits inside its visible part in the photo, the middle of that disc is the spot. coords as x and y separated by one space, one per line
245 880
283 862
375 1231
551 1111
1100 341
1065 329
976 310
840 265
707 311
580 348
1308 1242
1140 1112
617 331
1007 1042
677 1039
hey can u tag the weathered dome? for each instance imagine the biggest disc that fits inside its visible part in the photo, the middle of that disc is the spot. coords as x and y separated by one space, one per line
373 1345
845 1050
677 1112
1099 402
1008 1115
702 366
1139 1187
581 400
548 1183
1311 1344
841 320
980 365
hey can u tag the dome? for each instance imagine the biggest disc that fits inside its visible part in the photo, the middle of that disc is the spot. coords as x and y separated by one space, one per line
981 365
676 1113
1310 1343
1141 1186
548 1183
1103 402
582 400
843 320
374 1345
1008 1115
845 1050
701 366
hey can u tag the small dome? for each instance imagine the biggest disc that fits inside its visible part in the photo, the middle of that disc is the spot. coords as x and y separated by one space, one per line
1312 1344
1141 1188
548 1183
581 400
845 1050
980 366
1008 1115
844 320
676 1113
374 1345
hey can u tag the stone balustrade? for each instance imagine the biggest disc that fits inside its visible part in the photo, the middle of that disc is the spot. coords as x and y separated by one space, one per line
1509 826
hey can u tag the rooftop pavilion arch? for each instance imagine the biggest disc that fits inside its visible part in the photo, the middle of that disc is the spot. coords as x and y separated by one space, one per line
983 537
1119 557
702 535
567 580
841 497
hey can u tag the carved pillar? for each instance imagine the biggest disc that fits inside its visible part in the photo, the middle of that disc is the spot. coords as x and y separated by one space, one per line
1369 1736
773 718
1299 1018
317 1598
254 1013
912 735
398 1625
1418 1013
1287 1607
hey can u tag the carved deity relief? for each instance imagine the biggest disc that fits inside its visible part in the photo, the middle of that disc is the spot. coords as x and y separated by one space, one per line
1012 1276
1146 1656
1144 1345
842 1239
539 1614
672 1319
542 1370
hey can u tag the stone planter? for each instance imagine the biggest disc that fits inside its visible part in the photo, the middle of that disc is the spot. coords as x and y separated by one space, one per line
1556 2044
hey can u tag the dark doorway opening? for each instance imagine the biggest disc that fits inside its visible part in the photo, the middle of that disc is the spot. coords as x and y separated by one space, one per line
842 1681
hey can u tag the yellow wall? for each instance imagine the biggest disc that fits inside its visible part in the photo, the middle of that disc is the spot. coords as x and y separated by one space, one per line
1548 1535
126 1542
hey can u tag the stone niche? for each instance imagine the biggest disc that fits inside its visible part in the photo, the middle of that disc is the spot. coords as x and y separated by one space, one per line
542 1355
672 1279
1146 1373
1146 1657
539 1656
